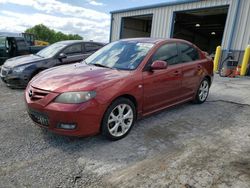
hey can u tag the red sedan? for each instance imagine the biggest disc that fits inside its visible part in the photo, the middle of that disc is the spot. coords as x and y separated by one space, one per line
121 82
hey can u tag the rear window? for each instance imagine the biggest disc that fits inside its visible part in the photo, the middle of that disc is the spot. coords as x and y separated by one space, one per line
188 52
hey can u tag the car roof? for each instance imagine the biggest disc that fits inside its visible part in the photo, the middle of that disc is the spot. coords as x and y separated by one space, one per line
155 40
78 41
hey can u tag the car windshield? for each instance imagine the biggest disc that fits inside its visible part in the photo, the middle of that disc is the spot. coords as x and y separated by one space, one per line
123 55
51 50
2 41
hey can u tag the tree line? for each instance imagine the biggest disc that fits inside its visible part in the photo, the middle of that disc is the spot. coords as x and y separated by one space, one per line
44 33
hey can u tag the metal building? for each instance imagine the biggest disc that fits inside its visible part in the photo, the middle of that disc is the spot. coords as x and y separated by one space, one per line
207 23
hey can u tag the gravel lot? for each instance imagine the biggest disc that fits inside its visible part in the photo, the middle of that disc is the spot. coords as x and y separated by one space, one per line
190 145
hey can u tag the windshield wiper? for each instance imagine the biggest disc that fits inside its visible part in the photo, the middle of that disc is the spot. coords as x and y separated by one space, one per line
100 65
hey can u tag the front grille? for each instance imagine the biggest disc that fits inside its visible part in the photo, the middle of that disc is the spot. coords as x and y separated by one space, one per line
37 94
39 117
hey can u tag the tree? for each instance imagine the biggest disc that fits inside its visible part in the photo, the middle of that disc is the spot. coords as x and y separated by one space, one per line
44 33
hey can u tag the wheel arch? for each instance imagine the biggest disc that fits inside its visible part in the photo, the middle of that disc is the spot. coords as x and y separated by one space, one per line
209 79
130 97
127 96
35 72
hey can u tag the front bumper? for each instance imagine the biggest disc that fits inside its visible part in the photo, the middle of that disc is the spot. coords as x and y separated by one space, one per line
86 116
13 80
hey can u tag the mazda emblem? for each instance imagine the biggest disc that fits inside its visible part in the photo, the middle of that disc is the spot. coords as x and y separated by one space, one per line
30 93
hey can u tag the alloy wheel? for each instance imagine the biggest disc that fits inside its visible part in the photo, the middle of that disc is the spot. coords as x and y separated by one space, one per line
203 90
120 120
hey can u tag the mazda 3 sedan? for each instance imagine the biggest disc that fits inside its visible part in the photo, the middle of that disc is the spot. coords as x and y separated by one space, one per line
123 81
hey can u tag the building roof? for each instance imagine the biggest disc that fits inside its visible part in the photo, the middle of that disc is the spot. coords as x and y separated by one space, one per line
170 3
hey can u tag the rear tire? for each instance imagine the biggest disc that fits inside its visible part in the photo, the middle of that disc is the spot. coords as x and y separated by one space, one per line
202 92
118 119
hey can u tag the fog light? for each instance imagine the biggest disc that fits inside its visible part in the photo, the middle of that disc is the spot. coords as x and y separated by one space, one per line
68 126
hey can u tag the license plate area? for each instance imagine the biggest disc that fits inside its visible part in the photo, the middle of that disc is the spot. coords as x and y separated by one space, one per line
39 117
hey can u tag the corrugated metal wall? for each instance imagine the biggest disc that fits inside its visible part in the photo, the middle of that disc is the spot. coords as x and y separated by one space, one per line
242 33
163 16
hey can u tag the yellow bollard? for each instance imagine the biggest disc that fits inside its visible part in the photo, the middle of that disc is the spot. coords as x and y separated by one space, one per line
217 58
245 61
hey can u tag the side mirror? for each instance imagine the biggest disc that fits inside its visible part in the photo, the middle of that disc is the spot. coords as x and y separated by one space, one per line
158 65
62 56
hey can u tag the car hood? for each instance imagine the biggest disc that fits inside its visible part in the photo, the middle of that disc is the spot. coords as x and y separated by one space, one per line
76 77
22 60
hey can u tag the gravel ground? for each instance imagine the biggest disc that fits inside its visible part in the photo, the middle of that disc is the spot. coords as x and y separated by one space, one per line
188 146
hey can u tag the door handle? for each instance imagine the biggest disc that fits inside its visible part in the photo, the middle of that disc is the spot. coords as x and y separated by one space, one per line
176 73
199 67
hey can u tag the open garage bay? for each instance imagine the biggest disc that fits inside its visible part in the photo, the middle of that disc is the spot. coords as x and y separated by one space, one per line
190 145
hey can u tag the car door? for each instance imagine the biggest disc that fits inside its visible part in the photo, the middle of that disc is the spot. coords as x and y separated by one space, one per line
21 46
74 53
191 69
162 87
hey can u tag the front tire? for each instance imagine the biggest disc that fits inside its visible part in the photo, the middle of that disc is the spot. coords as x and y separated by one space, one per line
202 92
118 119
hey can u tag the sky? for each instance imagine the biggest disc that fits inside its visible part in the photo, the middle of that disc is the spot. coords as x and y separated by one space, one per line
88 18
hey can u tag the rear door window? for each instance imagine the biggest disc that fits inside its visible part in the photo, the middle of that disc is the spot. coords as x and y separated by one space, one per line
167 52
188 53
91 47
73 49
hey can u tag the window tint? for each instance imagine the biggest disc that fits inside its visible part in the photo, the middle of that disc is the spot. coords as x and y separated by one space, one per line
73 49
168 53
91 47
188 53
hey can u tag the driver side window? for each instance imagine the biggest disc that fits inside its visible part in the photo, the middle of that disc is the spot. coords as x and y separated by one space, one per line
167 52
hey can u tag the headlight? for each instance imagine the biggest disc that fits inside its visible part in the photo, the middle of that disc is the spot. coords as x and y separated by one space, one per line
19 69
75 97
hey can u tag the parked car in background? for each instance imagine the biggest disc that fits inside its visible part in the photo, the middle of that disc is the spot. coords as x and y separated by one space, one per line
12 46
116 85
17 72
